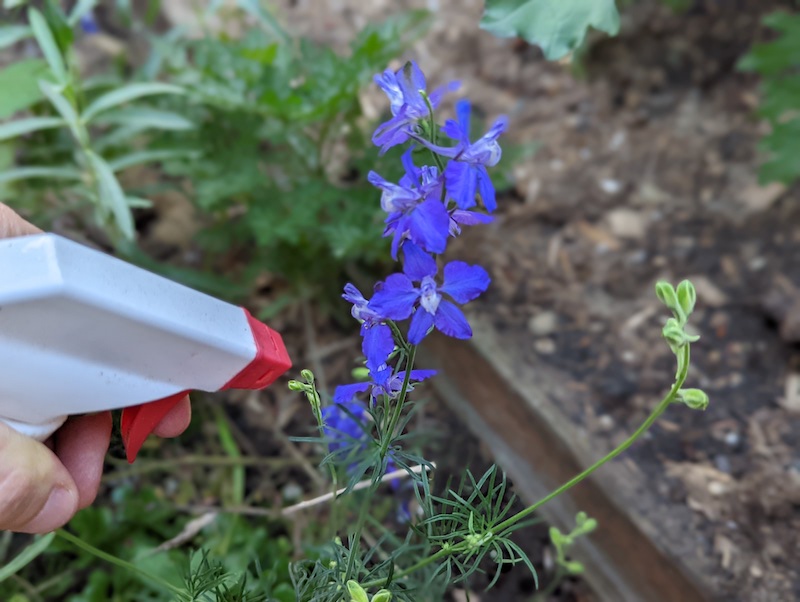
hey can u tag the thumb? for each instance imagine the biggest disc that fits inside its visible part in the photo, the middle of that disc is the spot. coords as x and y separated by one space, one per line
12 224
37 494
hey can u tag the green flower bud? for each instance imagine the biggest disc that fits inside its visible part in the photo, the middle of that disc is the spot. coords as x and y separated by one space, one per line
674 334
361 374
357 593
308 376
666 294
383 595
687 297
694 398
296 385
588 526
574 567
556 536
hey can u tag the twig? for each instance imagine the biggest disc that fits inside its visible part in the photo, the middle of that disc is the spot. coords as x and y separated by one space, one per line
395 474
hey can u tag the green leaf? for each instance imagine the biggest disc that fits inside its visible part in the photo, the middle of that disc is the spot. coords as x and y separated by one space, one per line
556 26
64 108
111 194
147 156
144 118
39 545
12 129
11 34
20 84
135 202
127 94
48 45
23 173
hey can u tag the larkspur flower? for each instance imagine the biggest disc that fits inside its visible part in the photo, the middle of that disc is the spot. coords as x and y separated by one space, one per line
88 24
405 89
466 173
415 207
397 297
377 343
341 427
384 382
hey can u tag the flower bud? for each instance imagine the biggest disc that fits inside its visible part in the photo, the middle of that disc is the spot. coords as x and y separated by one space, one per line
361 374
574 567
296 385
308 376
383 595
674 334
694 398
357 593
666 294
687 297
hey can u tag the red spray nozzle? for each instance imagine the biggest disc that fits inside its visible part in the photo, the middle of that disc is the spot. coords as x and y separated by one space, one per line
271 361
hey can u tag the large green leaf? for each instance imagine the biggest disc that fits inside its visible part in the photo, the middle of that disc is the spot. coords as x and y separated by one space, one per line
19 85
556 26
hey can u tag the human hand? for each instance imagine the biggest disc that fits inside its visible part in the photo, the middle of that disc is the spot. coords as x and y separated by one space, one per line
42 485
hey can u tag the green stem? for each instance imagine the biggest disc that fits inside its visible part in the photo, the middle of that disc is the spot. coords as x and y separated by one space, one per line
683 368
398 408
124 564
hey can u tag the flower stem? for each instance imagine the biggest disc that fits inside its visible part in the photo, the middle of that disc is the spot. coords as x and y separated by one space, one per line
683 368
86 547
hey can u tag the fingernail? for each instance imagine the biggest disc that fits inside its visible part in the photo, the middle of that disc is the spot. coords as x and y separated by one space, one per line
58 509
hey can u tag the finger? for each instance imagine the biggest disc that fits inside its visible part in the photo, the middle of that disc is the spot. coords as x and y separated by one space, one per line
81 445
176 421
37 494
12 224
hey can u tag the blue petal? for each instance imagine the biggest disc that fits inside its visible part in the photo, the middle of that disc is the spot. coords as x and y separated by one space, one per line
463 109
437 95
418 263
412 171
420 325
345 393
429 224
486 189
470 218
420 375
378 343
451 321
464 282
395 299
461 181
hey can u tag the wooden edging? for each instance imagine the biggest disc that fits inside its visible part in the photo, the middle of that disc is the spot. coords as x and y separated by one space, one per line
539 450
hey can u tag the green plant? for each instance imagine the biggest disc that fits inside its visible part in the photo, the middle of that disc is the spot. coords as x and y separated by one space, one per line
778 63
558 27
283 148
81 133
239 562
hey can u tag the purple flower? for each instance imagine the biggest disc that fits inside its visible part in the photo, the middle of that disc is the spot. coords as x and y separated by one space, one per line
88 24
466 174
378 342
415 208
342 428
397 297
405 88
384 382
